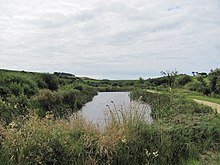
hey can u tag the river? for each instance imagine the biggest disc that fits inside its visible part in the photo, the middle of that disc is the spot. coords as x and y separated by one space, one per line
95 110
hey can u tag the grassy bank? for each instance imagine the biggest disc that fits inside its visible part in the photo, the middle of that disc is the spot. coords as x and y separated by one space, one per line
45 141
193 129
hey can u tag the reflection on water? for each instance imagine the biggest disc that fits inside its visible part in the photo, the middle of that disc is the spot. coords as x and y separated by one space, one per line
96 110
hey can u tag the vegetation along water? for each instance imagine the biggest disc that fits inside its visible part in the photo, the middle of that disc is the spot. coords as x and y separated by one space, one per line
37 125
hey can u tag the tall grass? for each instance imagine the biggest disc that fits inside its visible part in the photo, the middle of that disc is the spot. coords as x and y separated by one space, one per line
46 141
191 128
128 138
133 114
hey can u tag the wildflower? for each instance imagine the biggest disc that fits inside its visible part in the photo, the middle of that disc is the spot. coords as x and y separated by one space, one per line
155 154
124 140
49 115
147 152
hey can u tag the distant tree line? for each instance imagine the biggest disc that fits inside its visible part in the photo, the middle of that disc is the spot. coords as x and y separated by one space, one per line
64 74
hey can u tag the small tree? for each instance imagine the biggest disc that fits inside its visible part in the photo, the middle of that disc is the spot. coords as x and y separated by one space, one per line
171 75
141 80
214 77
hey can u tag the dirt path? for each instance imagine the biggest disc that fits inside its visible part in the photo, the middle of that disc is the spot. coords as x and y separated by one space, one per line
152 91
210 104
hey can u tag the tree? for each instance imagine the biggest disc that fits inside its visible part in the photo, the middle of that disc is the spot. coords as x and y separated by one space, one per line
171 75
182 80
141 80
214 77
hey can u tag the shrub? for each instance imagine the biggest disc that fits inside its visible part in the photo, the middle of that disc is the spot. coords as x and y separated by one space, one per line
214 77
4 92
182 80
48 101
51 81
13 107
198 86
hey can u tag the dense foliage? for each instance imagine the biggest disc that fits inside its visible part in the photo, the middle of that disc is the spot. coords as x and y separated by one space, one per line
214 77
25 93
207 84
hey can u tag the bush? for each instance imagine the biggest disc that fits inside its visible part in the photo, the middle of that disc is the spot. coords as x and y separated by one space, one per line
12 108
42 84
63 102
17 84
76 95
198 86
4 92
182 80
51 81
71 97
48 101
214 77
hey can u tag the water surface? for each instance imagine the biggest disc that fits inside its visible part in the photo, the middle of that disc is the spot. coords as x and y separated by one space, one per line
101 104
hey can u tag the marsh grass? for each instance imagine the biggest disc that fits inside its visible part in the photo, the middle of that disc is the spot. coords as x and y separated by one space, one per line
132 114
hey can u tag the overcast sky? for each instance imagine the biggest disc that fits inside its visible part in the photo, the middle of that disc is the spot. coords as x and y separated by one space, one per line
122 39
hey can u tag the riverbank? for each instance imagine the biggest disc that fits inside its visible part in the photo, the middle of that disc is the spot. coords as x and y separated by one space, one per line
214 103
182 133
191 128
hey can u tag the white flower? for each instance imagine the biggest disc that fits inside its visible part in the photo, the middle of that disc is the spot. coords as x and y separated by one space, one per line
155 154
147 153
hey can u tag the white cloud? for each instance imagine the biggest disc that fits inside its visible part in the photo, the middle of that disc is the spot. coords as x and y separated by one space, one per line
110 39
